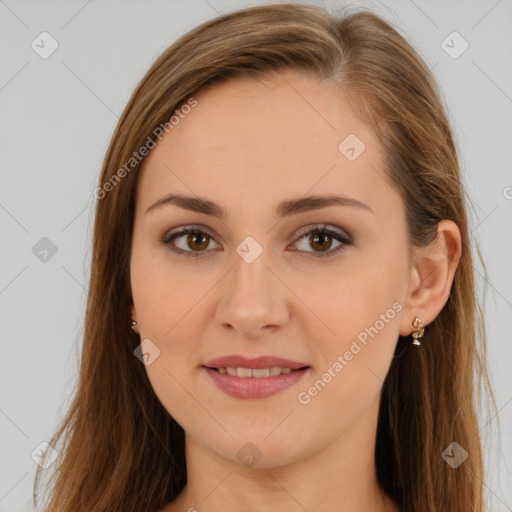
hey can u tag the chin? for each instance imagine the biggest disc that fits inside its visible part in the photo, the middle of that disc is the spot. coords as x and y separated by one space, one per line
259 452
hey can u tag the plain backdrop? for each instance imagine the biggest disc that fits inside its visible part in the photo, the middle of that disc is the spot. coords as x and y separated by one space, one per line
57 117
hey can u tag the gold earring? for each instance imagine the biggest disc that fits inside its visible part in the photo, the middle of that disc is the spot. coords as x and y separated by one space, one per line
418 333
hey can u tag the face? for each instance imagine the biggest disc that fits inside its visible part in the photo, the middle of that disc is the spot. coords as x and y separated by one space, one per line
320 286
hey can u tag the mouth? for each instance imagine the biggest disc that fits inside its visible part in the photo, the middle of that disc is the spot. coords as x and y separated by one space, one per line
256 363
258 373
251 383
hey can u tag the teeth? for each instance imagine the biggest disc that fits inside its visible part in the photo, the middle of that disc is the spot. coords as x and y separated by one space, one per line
243 372
260 372
254 372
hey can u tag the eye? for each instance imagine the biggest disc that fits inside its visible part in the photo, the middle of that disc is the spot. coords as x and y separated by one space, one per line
320 237
193 241
194 238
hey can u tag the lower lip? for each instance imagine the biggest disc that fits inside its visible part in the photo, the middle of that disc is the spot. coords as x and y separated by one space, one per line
255 387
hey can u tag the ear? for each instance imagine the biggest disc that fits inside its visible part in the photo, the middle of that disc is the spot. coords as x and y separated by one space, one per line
432 275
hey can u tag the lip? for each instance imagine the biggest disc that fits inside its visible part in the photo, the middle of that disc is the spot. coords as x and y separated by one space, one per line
255 387
237 361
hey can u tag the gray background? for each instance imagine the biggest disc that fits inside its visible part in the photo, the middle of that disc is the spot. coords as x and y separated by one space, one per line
57 117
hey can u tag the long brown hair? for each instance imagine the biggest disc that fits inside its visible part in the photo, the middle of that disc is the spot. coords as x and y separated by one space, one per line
120 449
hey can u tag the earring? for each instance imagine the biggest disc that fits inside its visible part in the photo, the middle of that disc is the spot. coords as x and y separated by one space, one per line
133 324
418 333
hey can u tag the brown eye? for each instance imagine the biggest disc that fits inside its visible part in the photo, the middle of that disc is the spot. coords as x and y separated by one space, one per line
188 241
321 242
197 241
321 239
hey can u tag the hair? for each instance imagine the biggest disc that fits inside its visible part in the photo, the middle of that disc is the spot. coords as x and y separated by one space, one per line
121 450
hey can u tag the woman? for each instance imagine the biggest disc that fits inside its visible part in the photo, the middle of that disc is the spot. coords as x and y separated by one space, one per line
281 222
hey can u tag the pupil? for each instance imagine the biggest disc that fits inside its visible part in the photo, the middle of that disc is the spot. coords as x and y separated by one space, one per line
192 240
322 239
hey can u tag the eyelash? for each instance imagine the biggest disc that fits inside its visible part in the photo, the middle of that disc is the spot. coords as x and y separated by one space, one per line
184 230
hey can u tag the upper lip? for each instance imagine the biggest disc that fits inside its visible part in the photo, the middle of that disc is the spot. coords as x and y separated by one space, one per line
236 361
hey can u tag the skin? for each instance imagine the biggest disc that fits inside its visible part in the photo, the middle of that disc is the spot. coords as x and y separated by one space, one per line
248 145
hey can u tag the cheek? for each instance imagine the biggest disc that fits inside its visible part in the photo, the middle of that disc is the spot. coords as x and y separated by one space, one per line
361 308
353 362
166 295
168 305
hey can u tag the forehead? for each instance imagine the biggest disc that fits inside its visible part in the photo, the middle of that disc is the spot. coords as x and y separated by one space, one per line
269 137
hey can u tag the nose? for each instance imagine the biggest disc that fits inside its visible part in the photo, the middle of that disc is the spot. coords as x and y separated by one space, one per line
253 299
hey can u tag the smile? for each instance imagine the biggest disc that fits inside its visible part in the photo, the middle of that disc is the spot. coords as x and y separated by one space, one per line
254 382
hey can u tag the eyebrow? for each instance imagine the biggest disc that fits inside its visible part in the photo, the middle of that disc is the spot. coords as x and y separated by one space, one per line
285 208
